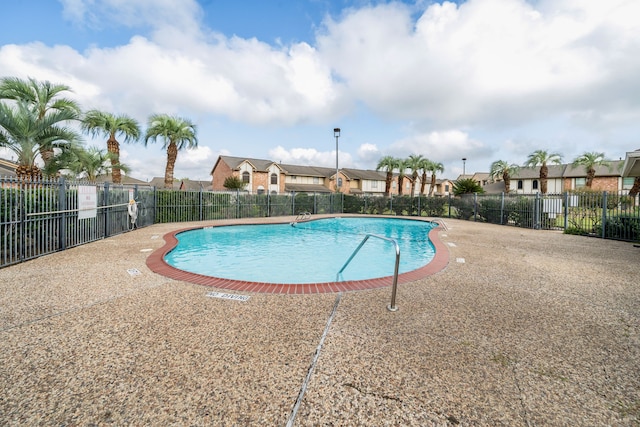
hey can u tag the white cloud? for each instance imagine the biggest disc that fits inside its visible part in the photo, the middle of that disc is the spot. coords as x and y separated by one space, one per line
439 146
496 60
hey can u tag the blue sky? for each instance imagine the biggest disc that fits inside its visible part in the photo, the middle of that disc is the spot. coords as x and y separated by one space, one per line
481 79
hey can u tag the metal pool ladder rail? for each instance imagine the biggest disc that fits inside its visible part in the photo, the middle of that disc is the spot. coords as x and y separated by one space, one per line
301 217
392 305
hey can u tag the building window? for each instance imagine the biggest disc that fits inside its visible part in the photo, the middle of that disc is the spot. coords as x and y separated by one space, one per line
446 188
293 177
274 178
534 184
374 184
260 189
339 182
581 182
316 180
393 184
520 185
245 176
627 182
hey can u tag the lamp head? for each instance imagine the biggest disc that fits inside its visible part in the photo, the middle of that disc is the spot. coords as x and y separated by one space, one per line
336 132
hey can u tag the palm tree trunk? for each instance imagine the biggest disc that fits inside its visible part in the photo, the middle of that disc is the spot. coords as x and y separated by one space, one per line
507 182
400 182
172 155
591 173
433 184
113 147
544 173
413 183
423 182
387 187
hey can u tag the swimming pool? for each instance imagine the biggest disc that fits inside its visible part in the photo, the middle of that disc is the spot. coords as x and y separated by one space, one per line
156 262
305 252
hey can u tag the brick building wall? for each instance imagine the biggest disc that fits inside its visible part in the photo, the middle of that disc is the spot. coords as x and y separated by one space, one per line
220 173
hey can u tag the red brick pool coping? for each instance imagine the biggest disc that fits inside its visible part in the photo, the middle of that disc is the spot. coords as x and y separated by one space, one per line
156 263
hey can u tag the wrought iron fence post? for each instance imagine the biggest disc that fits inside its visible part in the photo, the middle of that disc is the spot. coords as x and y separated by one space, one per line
566 210
237 203
62 206
449 205
604 214
105 211
475 206
536 212
502 209
391 202
200 203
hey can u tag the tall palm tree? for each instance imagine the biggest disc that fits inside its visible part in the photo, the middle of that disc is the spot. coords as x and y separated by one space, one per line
502 169
43 98
23 133
542 158
402 166
100 123
434 168
387 164
177 133
414 162
635 189
590 161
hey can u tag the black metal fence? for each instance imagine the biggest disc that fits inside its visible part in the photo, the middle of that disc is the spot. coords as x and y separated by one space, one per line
41 217
45 216
602 214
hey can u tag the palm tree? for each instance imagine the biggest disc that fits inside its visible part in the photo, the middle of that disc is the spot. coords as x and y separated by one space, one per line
24 134
101 123
466 186
402 166
635 189
434 167
541 158
177 133
43 98
414 162
388 164
590 161
92 162
504 170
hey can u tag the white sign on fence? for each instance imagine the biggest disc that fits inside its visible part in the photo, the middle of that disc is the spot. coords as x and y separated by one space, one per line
87 201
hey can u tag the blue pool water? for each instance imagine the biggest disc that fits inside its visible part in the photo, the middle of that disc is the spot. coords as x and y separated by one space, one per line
306 252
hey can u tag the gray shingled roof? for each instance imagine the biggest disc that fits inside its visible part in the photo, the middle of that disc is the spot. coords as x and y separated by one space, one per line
555 171
235 162
580 171
308 188
364 174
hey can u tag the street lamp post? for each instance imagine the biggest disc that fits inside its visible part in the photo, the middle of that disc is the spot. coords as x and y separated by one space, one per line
336 133
464 163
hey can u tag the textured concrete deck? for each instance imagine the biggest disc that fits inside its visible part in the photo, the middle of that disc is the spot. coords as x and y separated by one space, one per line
533 328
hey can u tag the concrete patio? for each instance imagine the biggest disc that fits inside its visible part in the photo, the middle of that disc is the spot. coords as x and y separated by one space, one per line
521 328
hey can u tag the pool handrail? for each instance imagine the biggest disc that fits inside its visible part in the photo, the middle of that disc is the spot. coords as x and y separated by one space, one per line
394 288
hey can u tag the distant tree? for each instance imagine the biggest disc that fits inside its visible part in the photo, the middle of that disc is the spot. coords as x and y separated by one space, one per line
42 98
434 168
234 183
112 126
590 161
542 158
387 164
178 133
414 163
466 186
501 169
